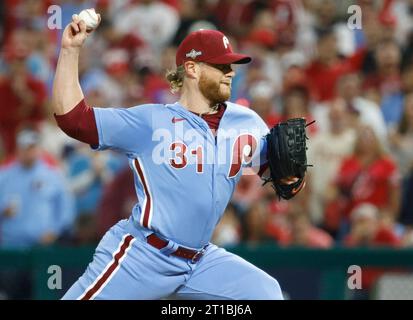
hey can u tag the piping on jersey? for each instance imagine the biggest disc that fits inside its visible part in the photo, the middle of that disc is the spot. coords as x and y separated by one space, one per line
147 210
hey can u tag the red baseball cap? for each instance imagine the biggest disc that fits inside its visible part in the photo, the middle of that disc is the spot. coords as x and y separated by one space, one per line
210 46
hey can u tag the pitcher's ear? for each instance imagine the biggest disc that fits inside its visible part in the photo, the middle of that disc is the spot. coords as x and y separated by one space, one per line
192 69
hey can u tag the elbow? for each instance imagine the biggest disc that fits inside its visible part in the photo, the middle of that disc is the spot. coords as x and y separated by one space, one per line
57 104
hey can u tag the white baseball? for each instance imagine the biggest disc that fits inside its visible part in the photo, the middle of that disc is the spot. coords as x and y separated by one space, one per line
90 17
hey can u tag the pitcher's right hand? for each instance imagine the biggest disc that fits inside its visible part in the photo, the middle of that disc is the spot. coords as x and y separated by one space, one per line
75 33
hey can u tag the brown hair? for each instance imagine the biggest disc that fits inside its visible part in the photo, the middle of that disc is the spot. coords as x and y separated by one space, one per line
176 78
361 130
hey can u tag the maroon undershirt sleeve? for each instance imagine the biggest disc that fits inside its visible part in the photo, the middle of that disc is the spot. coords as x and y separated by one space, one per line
80 124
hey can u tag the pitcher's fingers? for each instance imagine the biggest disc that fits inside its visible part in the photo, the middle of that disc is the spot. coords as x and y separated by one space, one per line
75 18
75 27
82 26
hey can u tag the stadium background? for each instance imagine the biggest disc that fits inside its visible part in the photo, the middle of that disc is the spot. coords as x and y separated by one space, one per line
356 83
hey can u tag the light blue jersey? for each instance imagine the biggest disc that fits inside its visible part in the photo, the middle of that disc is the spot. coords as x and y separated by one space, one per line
184 175
184 179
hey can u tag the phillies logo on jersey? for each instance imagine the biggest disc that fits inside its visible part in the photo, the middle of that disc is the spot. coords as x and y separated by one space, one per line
188 147
243 149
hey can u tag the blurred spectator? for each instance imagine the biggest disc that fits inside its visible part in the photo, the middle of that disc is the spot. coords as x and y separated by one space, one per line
289 224
407 239
268 219
116 64
2 19
403 12
36 207
326 151
262 101
302 233
294 73
276 224
117 201
254 222
53 139
285 20
151 20
297 105
401 142
368 230
260 42
89 172
236 16
41 40
407 79
408 51
360 110
2 152
327 67
328 14
156 89
383 85
194 15
406 214
228 230
366 111
306 20
368 176
247 192
84 231
401 138
22 96
247 201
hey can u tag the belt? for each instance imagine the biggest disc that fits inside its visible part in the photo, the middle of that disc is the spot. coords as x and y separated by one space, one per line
181 252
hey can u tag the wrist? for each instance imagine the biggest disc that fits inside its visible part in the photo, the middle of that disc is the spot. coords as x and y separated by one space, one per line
70 50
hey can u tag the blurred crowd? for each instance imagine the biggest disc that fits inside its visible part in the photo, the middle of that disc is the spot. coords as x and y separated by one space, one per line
307 62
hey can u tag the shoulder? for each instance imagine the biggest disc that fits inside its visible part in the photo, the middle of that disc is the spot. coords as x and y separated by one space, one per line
245 118
145 108
135 111
237 110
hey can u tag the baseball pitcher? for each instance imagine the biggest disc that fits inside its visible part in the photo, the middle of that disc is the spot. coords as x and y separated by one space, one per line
187 158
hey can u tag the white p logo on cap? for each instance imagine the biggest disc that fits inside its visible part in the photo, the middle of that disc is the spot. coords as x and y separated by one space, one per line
225 41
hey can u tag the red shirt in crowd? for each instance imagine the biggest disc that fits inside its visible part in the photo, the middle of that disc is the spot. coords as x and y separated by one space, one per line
384 237
323 78
371 184
12 115
385 85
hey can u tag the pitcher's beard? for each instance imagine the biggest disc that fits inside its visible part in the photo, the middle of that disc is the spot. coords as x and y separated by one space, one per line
211 90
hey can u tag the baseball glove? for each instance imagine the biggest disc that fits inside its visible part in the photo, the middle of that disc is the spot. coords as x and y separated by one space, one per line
286 152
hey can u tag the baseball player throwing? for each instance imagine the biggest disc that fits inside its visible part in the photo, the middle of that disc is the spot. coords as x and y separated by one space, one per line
186 158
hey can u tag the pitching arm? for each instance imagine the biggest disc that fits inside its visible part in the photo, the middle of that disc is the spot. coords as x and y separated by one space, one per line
67 92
